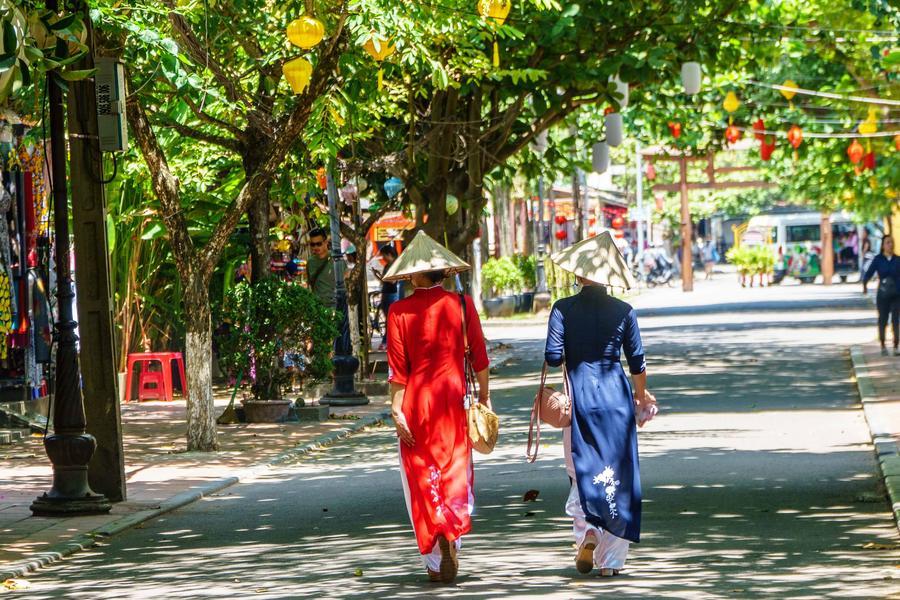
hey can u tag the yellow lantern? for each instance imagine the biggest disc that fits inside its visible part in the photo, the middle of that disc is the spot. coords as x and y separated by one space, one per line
870 125
496 11
379 49
790 91
298 73
305 32
731 103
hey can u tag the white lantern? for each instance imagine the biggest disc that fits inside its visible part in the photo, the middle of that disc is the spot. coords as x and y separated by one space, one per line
622 89
539 143
614 129
600 158
691 77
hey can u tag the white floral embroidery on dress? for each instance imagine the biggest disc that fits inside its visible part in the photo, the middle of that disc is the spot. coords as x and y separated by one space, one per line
434 476
607 478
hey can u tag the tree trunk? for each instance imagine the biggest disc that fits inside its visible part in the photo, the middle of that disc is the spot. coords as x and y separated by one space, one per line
260 254
201 418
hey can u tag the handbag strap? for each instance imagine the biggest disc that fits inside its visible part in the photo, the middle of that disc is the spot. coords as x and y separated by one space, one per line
534 426
468 372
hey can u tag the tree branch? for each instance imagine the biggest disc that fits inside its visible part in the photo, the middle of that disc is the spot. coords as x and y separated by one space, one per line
201 136
202 58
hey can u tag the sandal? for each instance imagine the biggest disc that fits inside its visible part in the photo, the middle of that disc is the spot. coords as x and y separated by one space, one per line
433 576
608 572
449 562
584 560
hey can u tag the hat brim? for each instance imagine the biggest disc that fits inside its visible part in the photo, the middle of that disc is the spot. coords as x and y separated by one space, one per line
424 255
598 260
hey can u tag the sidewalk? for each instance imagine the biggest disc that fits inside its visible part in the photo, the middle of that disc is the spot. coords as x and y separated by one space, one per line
161 475
878 379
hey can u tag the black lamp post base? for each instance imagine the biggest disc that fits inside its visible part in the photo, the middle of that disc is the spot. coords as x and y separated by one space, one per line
541 301
344 392
49 506
352 399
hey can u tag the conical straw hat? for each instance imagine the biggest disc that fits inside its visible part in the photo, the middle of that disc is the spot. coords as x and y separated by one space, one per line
596 259
423 255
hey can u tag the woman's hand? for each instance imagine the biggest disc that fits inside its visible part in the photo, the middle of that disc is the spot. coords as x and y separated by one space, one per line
485 398
646 408
403 431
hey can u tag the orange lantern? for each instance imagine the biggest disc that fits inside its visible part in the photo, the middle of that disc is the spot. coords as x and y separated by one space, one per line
305 32
855 152
298 73
897 141
379 49
496 11
322 177
618 222
795 137
732 134
675 129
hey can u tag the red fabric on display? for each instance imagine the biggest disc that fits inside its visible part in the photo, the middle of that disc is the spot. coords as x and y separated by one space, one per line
425 353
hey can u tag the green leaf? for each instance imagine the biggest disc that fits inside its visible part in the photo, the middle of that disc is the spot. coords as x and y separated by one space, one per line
26 73
154 231
77 75
7 61
63 24
10 39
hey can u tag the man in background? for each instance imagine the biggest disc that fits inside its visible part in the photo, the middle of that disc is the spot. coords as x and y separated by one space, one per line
320 267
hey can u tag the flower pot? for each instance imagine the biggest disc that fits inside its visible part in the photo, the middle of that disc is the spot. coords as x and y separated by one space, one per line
507 306
266 411
492 307
527 302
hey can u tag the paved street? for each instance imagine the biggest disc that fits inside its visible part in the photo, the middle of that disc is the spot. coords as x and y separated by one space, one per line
759 481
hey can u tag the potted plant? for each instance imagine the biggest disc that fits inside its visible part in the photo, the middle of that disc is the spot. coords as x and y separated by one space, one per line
265 321
503 278
527 267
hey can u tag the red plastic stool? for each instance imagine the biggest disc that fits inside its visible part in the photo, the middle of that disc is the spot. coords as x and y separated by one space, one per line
167 361
152 385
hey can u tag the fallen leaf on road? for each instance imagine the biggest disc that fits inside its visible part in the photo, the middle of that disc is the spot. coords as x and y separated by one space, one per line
880 546
358 573
531 496
16 584
529 514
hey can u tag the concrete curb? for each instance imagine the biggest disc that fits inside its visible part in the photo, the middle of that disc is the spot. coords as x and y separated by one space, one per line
886 451
90 539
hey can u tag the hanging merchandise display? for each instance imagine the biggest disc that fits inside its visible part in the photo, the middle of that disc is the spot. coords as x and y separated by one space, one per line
380 49
691 78
298 72
305 32
675 129
855 152
495 11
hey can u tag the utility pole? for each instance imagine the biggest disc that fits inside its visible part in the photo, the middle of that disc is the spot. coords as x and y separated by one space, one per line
70 448
687 232
106 471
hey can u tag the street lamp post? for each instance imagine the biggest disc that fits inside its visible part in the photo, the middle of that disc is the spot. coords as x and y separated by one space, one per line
542 296
69 447
344 392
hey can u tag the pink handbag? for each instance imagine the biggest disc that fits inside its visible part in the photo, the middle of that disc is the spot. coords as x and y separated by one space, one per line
552 407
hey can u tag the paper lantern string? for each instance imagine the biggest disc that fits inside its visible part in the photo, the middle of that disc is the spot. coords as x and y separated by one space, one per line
811 135
804 92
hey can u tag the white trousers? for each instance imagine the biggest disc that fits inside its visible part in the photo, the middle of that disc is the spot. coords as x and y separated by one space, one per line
432 560
611 551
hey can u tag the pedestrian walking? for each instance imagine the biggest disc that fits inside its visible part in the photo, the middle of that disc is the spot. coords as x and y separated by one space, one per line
710 257
587 334
390 290
887 300
428 336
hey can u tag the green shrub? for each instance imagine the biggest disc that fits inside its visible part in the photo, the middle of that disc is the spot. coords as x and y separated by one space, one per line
502 276
267 319
755 260
527 266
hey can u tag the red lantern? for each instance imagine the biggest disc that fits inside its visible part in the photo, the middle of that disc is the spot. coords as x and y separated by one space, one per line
560 220
618 222
608 110
759 129
651 172
675 129
855 152
732 134
897 141
561 234
795 136
592 221
869 161
767 148
322 178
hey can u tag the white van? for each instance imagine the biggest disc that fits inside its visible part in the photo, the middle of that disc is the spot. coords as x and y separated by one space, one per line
796 238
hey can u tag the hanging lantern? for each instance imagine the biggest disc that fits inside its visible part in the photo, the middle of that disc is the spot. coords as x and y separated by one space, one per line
659 201
870 125
675 129
322 177
897 142
731 103
608 110
349 194
496 11
380 49
600 157
691 77
305 32
362 184
561 234
790 91
618 222
767 147
614 129
621 90
855 152
393 186
732 134
650 172
869 161
451 204
297 72
795 138
759 130
560 219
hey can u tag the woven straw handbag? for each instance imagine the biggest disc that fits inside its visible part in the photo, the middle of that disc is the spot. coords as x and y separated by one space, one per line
483 423
550 406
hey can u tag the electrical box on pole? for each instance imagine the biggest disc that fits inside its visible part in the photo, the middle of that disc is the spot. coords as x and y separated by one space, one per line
110 86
